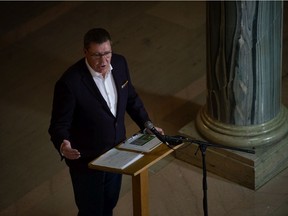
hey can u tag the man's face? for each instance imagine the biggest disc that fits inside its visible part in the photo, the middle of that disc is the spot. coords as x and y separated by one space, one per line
99 56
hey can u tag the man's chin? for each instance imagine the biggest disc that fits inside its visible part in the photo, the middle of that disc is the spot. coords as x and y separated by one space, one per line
100 69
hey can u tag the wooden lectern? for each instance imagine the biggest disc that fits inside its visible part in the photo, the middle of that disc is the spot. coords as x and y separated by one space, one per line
139 172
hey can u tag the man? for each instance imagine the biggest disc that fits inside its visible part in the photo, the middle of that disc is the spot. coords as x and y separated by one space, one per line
89 105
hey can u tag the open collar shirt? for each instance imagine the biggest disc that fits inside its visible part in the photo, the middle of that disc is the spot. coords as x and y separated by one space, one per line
106 86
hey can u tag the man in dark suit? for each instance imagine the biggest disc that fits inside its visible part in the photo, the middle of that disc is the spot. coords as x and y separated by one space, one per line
89 105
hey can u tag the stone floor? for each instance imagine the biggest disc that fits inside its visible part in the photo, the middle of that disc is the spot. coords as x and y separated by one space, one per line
164 43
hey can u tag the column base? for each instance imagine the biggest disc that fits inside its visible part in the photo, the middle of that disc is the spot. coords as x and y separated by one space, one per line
249 170
243 136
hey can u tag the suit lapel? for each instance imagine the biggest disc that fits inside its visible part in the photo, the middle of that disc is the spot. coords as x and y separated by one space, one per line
88 81
117 79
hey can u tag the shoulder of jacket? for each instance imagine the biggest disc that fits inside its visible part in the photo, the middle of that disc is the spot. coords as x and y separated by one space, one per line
75 70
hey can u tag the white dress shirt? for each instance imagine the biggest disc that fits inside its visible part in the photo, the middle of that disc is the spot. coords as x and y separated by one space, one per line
106 86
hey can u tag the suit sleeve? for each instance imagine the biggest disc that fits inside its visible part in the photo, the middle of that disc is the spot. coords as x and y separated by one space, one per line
135 106
62 114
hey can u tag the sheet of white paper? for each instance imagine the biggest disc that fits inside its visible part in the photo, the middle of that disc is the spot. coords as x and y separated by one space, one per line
116 158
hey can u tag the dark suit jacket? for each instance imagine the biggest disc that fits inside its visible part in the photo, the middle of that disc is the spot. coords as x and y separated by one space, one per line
81 115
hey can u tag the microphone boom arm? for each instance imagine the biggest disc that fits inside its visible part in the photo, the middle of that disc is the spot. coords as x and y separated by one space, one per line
200 142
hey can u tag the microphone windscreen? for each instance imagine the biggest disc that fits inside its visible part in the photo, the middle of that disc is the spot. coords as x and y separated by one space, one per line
149 125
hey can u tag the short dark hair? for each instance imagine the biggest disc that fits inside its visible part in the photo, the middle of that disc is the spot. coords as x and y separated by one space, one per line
96 35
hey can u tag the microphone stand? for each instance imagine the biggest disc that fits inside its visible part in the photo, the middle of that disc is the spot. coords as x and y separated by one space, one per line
202 145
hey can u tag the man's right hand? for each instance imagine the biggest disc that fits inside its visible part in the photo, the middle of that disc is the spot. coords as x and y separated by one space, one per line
69 152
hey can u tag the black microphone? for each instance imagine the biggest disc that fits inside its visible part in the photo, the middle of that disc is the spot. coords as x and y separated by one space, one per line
151 127
170 140
174 140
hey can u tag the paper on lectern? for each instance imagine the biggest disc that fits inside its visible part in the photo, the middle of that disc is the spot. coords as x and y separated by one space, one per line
115 158
141 142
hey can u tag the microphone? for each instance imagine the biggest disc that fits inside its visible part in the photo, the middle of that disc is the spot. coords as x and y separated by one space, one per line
151 127
170 140
174 140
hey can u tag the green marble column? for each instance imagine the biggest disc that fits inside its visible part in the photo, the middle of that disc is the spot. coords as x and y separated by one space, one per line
244 67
